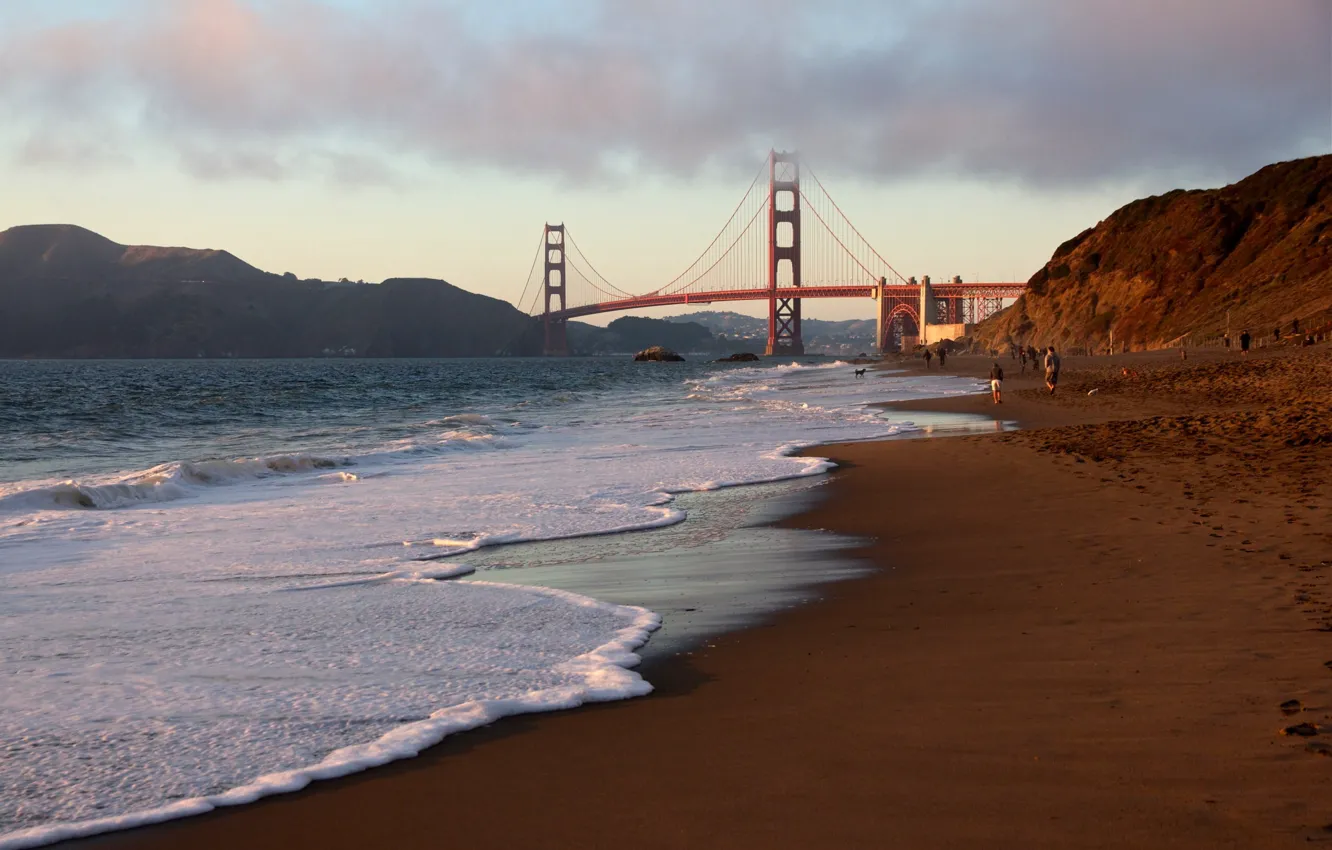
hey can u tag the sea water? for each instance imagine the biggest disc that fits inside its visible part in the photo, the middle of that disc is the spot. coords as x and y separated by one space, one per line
225 579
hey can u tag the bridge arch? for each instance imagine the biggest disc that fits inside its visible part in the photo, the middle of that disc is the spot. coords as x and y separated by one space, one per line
904 310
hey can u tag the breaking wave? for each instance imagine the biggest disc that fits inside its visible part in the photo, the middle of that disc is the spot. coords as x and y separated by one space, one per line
165 483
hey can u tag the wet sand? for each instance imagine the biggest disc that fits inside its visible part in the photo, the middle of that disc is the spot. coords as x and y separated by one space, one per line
727 568
1078 636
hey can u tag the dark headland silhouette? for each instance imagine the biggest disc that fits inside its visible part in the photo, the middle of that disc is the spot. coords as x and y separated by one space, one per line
1175 264
68 292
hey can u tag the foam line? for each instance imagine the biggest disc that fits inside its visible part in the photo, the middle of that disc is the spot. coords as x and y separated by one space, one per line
606 674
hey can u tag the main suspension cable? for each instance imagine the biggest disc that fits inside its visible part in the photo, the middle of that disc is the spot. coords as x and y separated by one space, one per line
866 242
568 236
716 238
531 274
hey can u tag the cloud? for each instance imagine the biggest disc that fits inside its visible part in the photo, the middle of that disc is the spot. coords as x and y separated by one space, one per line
1046 92
69 152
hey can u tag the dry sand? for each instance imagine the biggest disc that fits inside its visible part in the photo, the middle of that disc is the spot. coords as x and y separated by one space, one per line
1079 637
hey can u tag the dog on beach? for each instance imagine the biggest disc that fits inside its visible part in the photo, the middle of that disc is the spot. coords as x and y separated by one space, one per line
860 373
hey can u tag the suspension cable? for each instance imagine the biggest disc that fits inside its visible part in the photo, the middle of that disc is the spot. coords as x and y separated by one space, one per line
531 273
588 279
829 196
837 238
581 253
723 256
716 238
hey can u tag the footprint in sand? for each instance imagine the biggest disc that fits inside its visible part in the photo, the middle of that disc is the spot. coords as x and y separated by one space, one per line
1302 730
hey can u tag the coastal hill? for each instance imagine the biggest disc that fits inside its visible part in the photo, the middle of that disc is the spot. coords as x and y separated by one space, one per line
1176 264
55 251
68 292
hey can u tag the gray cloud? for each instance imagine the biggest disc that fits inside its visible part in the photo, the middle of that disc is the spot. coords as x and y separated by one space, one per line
1046 92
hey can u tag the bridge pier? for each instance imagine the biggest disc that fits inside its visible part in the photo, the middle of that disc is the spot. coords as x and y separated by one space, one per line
783 247
556 329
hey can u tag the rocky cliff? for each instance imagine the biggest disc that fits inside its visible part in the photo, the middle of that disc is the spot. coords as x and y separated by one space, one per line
68 292
1175 264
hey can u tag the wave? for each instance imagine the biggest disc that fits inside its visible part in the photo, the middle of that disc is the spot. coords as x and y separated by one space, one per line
438 444
444 572
603 675
177 480
808 367
165 483
471 420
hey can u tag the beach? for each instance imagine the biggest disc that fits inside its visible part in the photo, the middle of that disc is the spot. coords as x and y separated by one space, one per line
1077 636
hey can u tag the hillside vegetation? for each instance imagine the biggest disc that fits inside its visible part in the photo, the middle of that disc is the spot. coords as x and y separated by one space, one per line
1176 264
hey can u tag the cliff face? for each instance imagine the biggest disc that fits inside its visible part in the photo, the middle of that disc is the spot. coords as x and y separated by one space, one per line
68 292
1174 264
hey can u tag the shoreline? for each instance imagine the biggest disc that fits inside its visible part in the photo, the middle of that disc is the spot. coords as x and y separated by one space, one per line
1036 674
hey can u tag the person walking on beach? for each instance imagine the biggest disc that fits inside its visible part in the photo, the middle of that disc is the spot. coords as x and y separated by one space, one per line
1022 351
1245 339
997 380
1031 352
928 357
943 357
1051 369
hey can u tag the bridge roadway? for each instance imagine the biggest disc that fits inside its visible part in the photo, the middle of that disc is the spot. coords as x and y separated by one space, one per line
902 292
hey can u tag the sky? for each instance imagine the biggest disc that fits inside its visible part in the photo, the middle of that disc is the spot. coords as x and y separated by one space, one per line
367 140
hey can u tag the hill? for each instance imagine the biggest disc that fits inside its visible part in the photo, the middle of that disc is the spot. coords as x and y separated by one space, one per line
750 333
69 292
1259 250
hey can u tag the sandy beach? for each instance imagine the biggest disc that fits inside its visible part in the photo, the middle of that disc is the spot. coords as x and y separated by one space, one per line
1080 634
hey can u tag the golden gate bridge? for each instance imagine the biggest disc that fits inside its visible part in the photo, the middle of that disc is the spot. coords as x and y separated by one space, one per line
786 240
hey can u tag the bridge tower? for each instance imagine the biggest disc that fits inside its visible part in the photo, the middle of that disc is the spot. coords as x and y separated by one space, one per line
783 247
557 337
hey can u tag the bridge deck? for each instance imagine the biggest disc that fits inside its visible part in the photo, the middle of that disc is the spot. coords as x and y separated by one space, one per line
941 290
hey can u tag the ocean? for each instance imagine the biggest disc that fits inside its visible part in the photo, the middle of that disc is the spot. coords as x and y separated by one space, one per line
225 579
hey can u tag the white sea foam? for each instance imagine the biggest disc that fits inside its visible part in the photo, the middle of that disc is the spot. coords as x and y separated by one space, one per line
141 646
225 708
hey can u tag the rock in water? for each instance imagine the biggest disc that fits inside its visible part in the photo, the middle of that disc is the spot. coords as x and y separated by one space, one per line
657 353
739 357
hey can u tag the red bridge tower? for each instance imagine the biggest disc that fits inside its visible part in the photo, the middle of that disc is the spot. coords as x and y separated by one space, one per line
557 337
783 247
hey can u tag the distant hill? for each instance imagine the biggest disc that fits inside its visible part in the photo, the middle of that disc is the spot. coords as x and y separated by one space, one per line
738 324
749 333
639 333
629 334
68 292
1161 267
725 322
